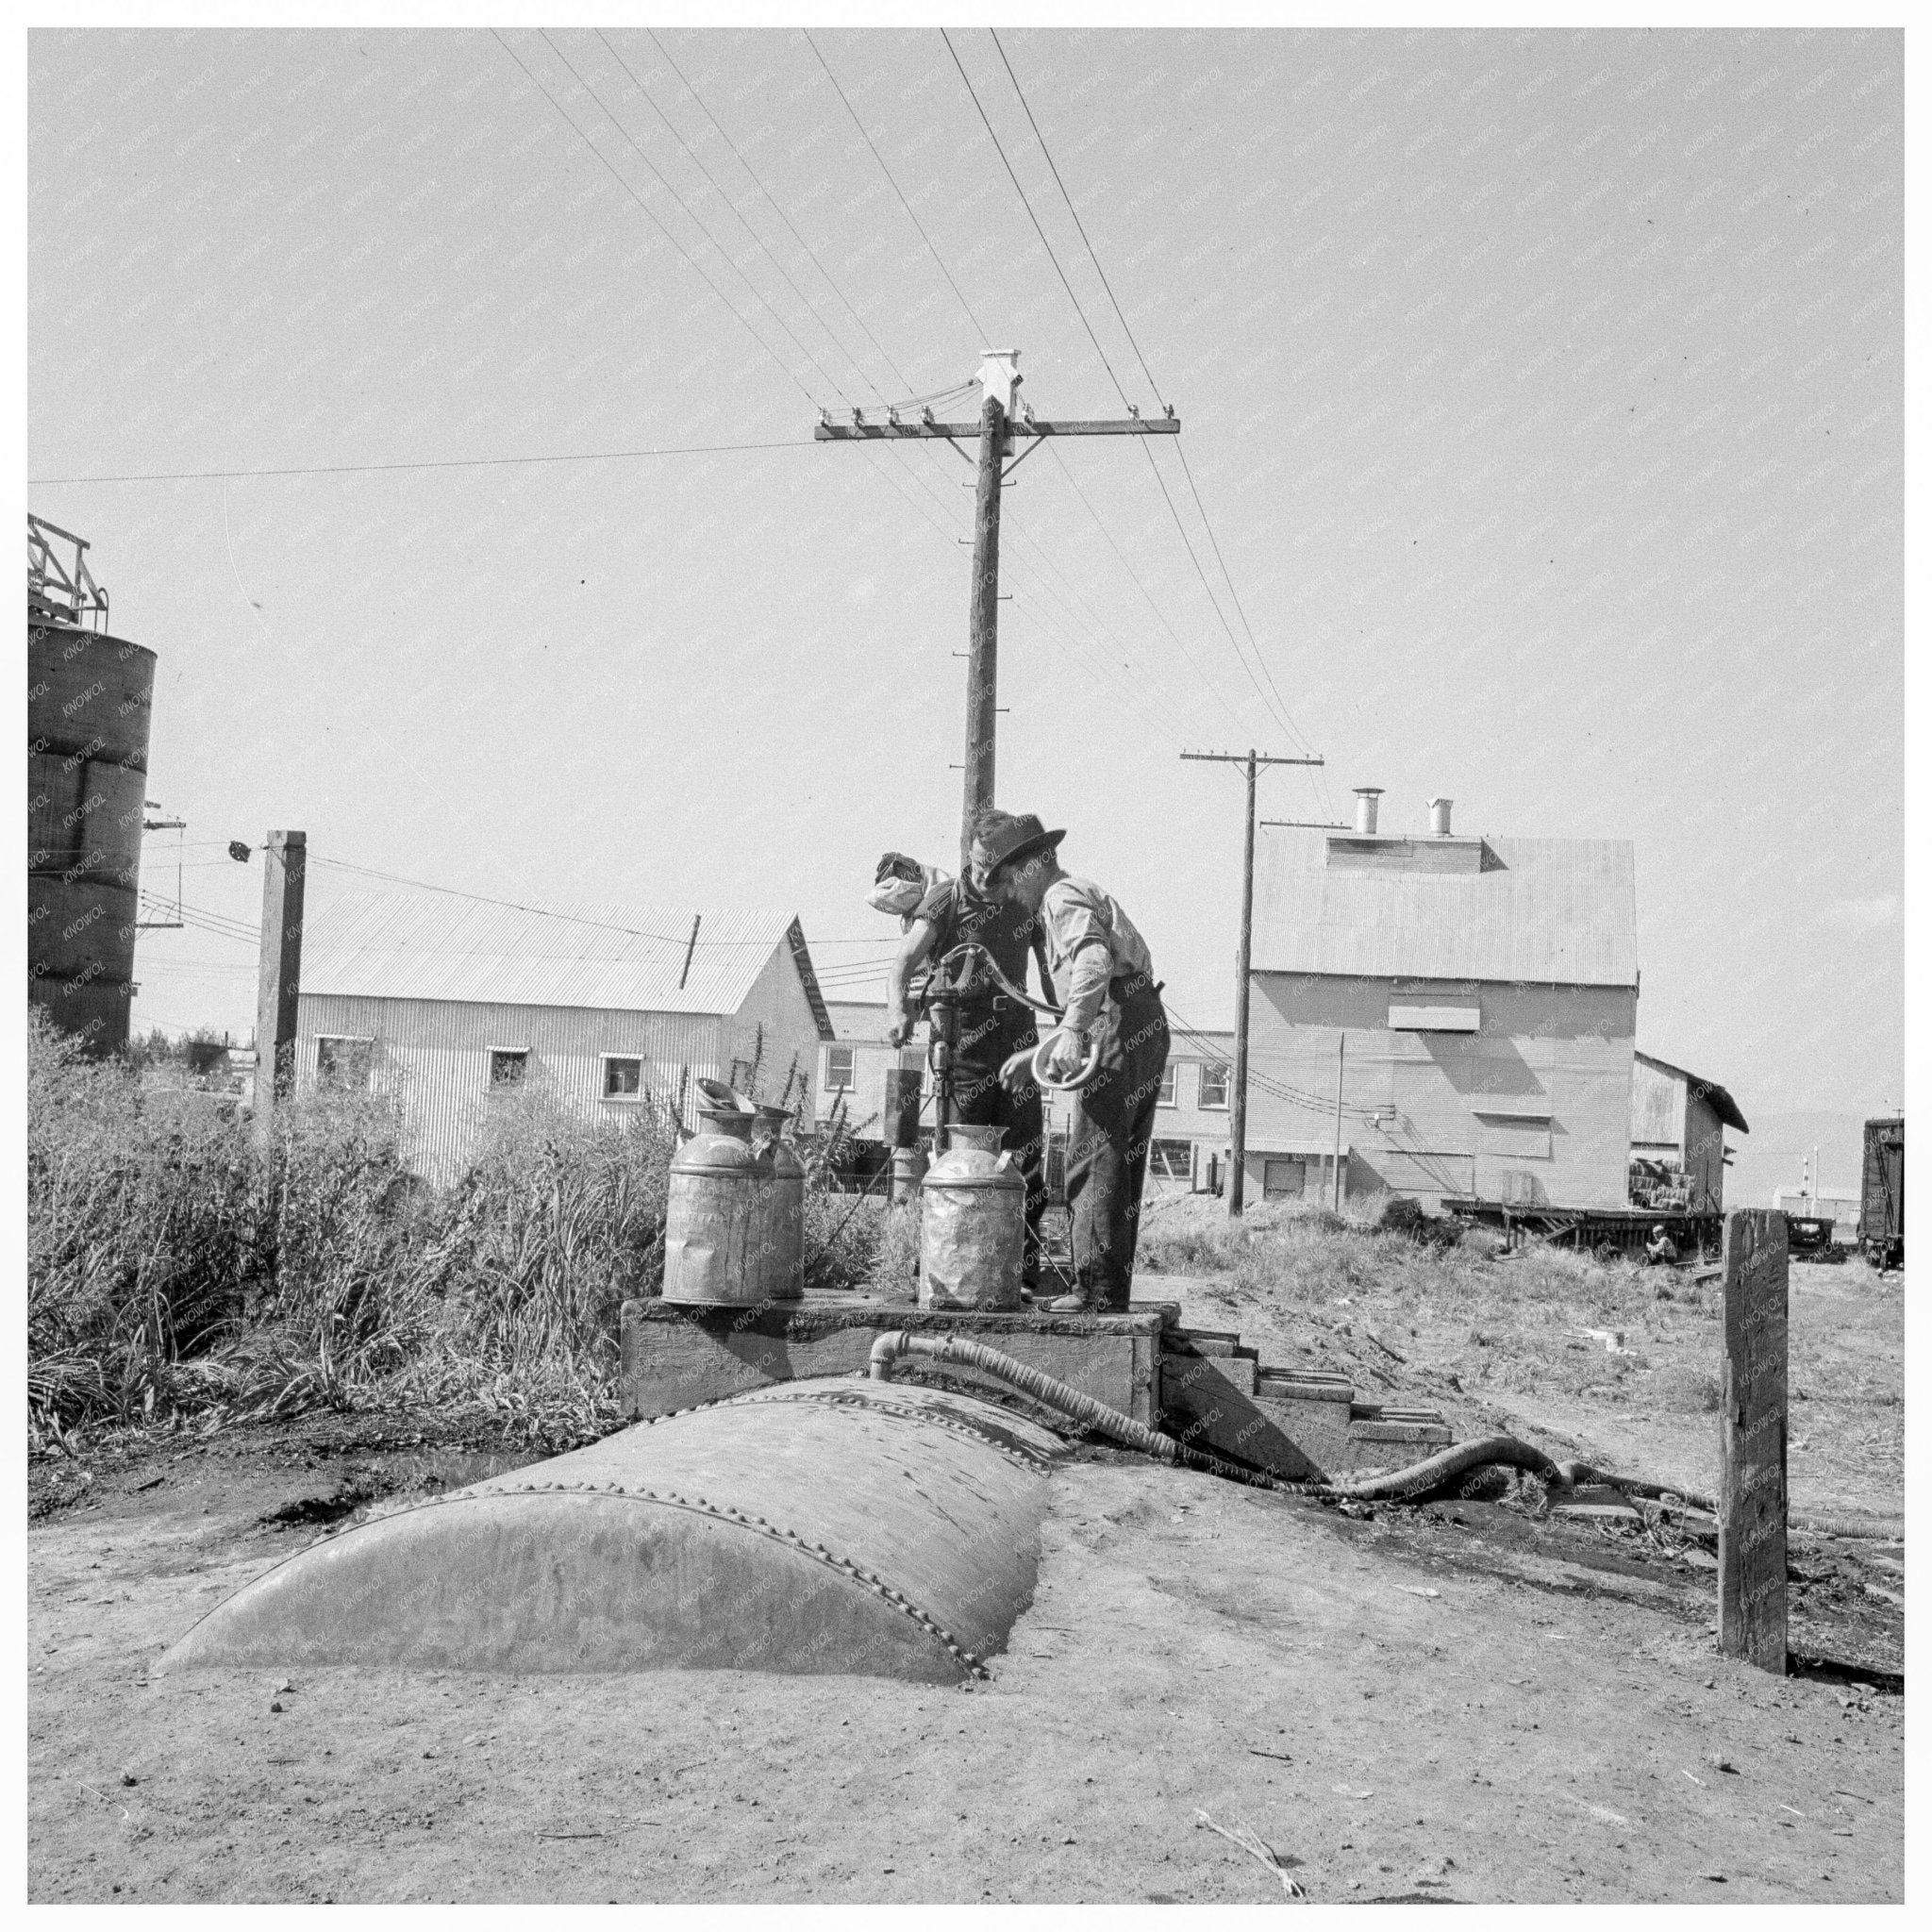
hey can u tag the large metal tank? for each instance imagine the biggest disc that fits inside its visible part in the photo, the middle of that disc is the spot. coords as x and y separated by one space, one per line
829 1526
972 1224
89 697
719 1208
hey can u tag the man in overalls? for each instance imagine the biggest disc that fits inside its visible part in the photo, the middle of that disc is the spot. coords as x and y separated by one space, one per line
1113 1003
992 1026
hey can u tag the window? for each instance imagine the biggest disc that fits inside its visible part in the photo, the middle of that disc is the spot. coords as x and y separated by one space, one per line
341 1060
508 1066
1214 1086
623 1076
840 1077
1284 1180
1167 1074
1171 1160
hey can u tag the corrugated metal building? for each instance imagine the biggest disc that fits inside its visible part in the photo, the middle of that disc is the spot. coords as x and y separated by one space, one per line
1678 1124
452 1003
1488 992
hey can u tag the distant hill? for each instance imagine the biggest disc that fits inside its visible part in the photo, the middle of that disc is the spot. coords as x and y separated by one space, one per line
1773 1153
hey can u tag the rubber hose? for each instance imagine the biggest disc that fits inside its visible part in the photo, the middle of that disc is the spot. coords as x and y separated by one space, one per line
1458 1458
1098 1416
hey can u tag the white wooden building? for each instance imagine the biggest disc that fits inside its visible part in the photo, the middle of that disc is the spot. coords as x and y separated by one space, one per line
1189 1150
1474 998
453 1004
857 1070
1678 1124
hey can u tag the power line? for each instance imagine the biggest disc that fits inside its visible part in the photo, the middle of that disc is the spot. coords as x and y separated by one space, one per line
1275 703
895 188
1031 216
1092 253
737 215
692 215
1206 684
618 176
597 456
548 912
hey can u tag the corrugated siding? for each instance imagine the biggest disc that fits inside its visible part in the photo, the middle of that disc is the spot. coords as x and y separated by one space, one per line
777 1003
434 1055
1557 911
436 946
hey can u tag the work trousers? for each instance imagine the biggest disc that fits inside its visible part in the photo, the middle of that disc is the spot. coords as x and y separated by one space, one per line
981 1099
1108 1138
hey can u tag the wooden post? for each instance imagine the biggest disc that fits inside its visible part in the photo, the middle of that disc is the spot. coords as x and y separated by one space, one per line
983 651
1238 1100
1751 1426
285 867
1340 1057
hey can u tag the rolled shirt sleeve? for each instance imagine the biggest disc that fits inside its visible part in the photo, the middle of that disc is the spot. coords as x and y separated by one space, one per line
1091 942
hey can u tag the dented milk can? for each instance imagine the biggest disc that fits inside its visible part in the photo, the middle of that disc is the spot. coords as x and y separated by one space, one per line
720 1205
972 1224
781 1246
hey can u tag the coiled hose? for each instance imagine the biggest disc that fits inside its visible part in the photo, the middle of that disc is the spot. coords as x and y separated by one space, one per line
1400 1485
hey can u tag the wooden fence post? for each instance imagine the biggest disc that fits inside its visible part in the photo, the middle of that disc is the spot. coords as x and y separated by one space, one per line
1751 1431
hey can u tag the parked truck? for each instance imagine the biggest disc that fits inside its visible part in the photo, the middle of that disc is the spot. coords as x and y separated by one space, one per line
1882 1194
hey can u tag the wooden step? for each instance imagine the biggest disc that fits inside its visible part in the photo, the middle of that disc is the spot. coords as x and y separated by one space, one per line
1305 1385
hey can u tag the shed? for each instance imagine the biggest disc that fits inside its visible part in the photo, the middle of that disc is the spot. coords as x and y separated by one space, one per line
1677 1122
453 1003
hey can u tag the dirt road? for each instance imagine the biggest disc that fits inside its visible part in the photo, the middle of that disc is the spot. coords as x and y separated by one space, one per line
1415 1706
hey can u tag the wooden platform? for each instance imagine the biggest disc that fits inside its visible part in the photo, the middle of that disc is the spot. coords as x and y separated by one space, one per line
676 1356
1203 1386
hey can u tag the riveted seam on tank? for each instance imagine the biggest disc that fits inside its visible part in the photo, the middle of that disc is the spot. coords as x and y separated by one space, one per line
892 1597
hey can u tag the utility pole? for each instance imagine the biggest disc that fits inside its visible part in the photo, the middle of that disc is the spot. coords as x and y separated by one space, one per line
1340 1058
285 870
1001 418
1238 1100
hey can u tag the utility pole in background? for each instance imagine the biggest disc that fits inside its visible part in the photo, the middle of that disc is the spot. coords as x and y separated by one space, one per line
285 872
1238 1100
1001 418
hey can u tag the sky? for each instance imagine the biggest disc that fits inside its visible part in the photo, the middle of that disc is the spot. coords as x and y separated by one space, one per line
1541 405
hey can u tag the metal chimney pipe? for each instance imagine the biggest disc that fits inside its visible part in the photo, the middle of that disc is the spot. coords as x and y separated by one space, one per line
1367 798
1438 817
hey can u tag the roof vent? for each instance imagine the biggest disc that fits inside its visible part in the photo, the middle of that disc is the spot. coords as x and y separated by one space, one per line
1367 798
1438 817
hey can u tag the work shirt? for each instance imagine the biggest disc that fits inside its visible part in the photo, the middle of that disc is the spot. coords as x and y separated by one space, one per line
957 916
1093 942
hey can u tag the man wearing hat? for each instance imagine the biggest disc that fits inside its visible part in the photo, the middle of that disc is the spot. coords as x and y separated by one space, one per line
1113 1003
991 1026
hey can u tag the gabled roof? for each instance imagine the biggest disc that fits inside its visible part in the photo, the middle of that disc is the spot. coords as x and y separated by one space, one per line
622 959
1543 911
1722 1104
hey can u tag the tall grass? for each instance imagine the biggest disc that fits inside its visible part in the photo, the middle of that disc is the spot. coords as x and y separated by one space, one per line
175 1270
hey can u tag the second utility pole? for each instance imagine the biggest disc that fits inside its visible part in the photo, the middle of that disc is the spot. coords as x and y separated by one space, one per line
1238 1100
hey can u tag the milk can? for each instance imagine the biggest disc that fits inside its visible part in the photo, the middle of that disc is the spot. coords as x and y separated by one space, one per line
781 1244
720 1205
972 1224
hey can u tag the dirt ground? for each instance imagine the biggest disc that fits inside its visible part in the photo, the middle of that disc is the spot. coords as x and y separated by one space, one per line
1451 1703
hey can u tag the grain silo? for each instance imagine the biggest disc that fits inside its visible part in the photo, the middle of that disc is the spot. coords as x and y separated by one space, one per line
89 696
